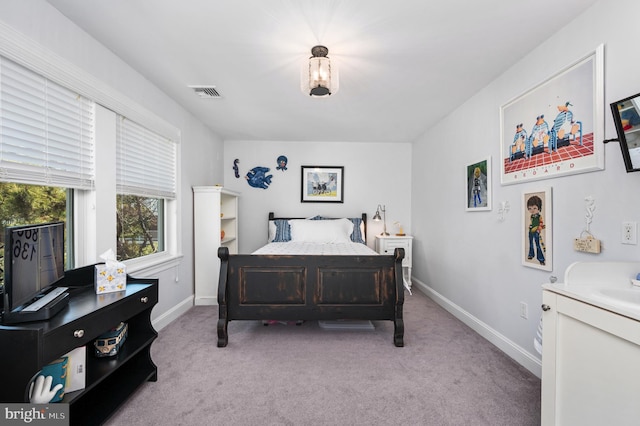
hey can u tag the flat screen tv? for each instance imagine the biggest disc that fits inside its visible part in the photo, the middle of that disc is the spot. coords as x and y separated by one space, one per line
33 261
626 116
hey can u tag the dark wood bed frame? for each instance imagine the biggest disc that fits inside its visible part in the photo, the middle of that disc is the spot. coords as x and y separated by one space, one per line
310 287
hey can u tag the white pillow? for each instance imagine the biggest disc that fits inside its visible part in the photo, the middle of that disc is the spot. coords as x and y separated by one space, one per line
321 231
272 231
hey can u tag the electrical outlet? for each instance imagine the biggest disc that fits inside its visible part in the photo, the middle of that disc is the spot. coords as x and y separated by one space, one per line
524 310
629 233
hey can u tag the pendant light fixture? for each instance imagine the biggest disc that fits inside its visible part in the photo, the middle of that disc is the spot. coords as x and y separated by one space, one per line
319 78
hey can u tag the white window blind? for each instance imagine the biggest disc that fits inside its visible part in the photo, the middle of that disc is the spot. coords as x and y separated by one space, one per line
46 131
146 161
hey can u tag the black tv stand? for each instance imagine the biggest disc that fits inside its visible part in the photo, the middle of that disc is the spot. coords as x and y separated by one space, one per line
42 314
26 347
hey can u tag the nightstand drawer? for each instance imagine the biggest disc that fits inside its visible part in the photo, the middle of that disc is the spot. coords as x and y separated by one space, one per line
389 244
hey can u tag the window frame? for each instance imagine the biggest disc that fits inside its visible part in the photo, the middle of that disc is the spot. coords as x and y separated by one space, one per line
89 210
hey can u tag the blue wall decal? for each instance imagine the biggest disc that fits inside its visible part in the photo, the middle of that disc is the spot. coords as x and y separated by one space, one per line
258 177
235 168
282 163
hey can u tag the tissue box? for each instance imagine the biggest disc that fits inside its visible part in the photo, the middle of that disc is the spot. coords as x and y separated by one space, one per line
110 278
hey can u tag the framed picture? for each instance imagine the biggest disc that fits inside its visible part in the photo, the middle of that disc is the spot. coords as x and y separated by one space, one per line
322 184
537 229
557 127
478 196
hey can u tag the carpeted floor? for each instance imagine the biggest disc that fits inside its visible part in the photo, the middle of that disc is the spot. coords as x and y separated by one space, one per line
305 375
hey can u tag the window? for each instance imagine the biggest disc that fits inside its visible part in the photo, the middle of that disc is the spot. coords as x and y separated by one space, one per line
59 150
46 131
140 226
146 181
46 150
22 204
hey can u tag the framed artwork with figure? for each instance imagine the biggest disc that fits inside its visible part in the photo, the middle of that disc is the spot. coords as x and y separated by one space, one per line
478 194
322 184
537 229
557 127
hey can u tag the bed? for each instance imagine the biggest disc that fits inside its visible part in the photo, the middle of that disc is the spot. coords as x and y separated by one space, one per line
330 275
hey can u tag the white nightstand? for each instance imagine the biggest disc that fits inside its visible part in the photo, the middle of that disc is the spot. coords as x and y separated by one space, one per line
386 244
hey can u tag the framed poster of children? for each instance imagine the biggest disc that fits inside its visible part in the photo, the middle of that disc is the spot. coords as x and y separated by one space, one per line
537 229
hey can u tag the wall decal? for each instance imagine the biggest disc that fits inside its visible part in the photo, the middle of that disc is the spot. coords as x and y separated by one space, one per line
258 177
235 168
282 163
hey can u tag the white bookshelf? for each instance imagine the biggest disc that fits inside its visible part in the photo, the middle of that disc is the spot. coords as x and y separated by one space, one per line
215 209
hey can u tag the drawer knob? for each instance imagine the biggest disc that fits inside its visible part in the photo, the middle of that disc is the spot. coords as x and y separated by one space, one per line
545 307
144 299
78 333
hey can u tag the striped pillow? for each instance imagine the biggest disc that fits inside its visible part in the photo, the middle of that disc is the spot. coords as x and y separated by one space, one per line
356 235
283 231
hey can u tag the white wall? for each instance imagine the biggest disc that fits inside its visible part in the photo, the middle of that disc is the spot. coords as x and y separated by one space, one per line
470 261
375 173
200 153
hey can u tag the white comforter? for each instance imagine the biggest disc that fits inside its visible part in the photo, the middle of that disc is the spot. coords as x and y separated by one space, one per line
294 248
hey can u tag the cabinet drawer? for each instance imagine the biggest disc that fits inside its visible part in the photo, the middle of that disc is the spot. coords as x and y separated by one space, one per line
75 334
389 246
85 329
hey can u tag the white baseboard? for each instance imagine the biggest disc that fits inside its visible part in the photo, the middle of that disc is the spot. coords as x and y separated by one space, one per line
205 301
518 353
172 314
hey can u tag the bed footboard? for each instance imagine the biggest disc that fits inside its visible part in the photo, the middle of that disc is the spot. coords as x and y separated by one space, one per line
310 287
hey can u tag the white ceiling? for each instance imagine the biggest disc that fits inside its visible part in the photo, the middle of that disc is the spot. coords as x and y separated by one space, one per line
403 64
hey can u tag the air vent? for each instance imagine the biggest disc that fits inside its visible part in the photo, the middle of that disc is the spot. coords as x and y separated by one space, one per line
206 92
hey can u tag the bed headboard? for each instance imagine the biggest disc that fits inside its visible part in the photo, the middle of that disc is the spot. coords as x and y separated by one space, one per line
273 217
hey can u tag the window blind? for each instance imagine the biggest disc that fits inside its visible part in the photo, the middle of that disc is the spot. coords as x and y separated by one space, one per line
146 161
46 131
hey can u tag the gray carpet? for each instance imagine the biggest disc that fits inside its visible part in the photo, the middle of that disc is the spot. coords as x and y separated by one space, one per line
305 375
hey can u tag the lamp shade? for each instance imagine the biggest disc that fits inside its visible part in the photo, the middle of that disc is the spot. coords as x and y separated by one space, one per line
319 75
377 218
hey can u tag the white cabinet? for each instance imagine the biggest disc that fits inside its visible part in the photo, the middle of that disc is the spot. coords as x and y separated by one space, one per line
386 244
590 364
215 224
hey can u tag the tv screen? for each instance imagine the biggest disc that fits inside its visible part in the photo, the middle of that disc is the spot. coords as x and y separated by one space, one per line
33 260
626 116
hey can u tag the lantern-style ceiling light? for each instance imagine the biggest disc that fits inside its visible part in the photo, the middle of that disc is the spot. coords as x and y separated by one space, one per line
319 78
